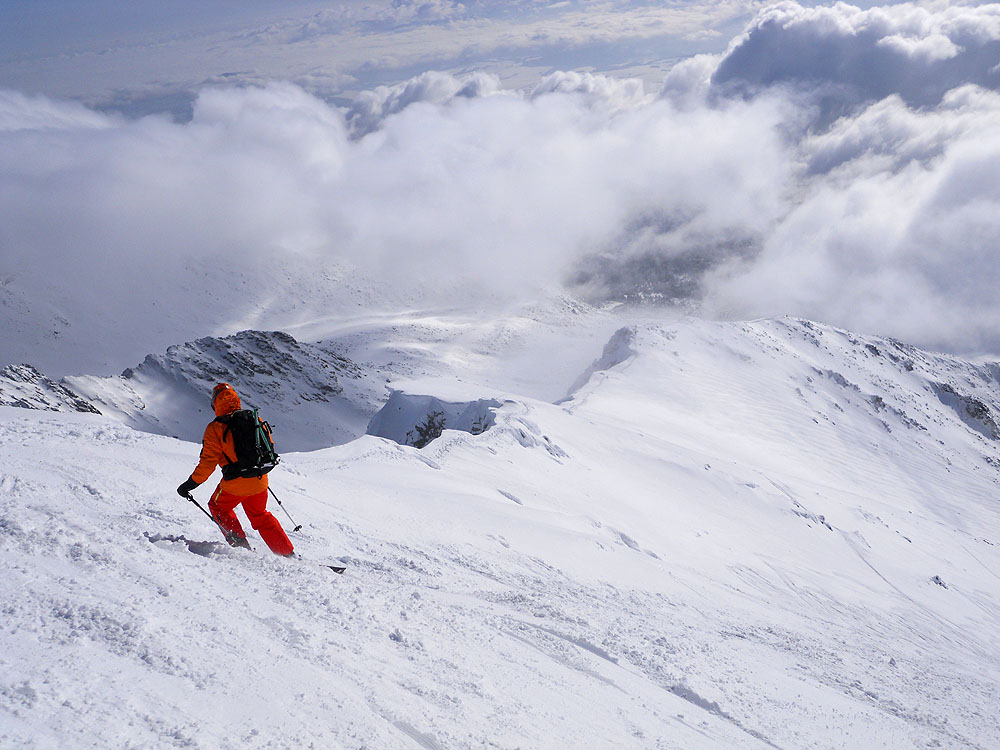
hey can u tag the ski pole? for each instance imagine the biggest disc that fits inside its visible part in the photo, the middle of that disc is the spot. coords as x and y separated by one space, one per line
297 526
230 536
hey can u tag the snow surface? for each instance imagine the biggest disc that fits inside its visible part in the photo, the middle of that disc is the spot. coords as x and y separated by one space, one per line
764 534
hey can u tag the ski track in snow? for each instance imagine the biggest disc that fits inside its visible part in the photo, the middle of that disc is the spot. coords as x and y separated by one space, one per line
709 544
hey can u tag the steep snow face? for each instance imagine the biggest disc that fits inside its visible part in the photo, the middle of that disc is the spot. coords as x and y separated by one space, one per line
752 535
416 420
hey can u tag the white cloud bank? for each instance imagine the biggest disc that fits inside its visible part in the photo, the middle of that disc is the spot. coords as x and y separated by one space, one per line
842 55
894 225
733 189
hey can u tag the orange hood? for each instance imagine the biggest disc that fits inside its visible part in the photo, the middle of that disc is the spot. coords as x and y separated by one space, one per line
225 400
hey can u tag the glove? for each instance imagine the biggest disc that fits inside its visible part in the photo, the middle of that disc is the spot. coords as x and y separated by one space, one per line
186 488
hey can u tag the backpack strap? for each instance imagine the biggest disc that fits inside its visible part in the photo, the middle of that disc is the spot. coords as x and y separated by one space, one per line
224 420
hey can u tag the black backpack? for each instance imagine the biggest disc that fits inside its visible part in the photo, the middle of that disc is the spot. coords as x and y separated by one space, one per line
255 454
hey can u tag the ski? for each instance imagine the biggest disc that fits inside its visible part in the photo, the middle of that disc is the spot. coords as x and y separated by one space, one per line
338 569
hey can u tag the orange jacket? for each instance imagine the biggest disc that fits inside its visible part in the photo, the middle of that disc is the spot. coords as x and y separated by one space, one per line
216 451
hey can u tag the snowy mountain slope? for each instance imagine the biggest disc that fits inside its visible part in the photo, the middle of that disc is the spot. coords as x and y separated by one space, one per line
149 645
789 383
722 539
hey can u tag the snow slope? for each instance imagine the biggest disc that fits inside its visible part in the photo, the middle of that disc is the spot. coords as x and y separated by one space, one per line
766 534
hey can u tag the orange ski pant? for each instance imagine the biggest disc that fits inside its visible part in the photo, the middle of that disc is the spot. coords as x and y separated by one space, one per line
223 504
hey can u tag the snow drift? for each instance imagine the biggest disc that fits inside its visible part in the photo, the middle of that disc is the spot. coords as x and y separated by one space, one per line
416 420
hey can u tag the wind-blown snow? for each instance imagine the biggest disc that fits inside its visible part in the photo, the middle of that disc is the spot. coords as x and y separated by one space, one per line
768 534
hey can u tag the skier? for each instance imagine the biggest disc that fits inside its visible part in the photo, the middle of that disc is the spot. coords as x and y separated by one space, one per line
218 449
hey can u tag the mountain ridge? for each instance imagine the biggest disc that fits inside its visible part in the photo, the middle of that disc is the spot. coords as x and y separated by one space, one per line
164 394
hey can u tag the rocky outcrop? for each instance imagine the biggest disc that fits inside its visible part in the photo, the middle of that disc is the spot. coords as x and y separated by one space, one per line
24 386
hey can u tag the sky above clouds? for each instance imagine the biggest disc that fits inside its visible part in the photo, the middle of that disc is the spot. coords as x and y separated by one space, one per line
136 57
833 162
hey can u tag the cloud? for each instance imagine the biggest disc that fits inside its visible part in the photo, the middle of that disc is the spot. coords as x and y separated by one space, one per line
843 56
21 112
369 17
888 135
894 228
602 91
132 62
271 207
890 227
931 49
263 210
124 234
370 108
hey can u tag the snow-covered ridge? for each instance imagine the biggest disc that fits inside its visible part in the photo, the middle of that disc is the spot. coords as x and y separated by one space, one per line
318 397
26 387
322 387
880 375
313 395
718 384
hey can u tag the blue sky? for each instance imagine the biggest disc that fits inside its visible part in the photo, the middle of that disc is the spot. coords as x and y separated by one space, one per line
133 55
30 27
